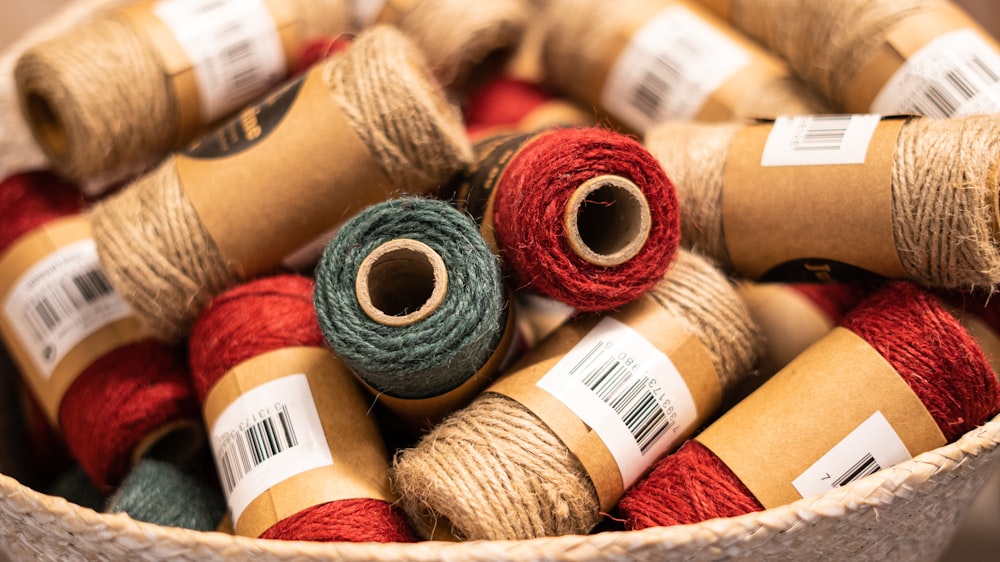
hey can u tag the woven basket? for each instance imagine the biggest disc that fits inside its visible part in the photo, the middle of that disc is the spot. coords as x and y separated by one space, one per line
907 512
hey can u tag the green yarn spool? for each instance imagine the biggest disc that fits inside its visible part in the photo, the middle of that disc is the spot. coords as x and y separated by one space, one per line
74 485
161 493
415 324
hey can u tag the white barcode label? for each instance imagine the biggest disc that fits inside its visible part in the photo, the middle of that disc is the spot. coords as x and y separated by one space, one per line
60 301
953 75
366 12
668 70
872 446
265 437
816 140
233 46
627 391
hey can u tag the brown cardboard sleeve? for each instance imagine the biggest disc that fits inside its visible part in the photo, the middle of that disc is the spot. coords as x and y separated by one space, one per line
421 413
721 8
179 69
902 41
773 215
658 327
780 430
360 465
18 259
290 185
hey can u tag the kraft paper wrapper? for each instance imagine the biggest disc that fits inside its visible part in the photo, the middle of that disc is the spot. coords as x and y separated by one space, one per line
360 467
720 105
789 321
780 430
291 185
721 8
905 38
421 413
394 11
21 256
179 69
777 214
658 327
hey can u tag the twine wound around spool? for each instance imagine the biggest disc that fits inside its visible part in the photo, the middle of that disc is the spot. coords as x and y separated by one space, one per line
607 220
401 282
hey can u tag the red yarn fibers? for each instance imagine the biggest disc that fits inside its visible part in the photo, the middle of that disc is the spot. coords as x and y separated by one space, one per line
126 394
928 348
503 101
530 203
834 299
265 315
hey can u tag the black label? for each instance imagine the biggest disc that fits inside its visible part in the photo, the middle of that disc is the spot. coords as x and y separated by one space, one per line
249 127
473 188
818 270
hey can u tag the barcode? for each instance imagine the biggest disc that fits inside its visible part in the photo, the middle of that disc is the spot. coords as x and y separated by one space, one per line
657 82
249 448
867 465
823 133
238 52
944 98
629 396
47 313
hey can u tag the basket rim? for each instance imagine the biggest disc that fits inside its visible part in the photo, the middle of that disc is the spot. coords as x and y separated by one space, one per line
878 490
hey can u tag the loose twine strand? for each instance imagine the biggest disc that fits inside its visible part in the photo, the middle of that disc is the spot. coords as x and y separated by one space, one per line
157 252
110 97
826 42
945 177
494 471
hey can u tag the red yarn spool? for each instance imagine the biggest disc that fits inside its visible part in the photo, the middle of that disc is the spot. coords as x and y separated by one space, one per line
932 353
319 48
585 216
129 398
258 317
834 299
502 102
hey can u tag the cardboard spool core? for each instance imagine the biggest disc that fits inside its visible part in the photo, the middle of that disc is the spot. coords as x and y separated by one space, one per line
607 220
401 282
178 442
45 121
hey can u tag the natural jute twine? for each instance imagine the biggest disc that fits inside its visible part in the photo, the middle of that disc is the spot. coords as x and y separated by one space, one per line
494 471
164 263
98 98
945 177
578 36
826 43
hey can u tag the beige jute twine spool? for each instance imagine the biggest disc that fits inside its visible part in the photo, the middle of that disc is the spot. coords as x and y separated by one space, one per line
945 179
826 43
458 35
579 34
494 471
18 150
100 103
164 263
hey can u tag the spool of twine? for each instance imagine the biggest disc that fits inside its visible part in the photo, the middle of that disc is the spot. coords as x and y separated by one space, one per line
944 195
571 64
475 30
493 470
584 216
133 400
99 98
411 297
265 315
826 43
932 353
161 493
512 103
164 262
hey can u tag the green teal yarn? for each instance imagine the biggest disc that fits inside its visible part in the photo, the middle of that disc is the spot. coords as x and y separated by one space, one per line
161 493
439 352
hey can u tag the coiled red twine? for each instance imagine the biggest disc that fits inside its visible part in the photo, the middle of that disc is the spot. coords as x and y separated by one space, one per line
933 354
494 470
127 394
512 103
569 217
265 315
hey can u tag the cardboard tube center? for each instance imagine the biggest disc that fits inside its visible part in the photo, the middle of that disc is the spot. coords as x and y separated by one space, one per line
401 282
607 220
48 127
178 442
